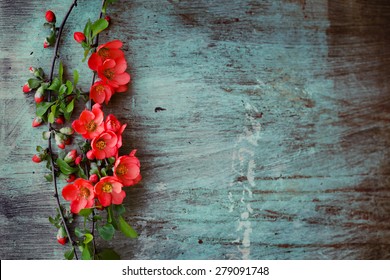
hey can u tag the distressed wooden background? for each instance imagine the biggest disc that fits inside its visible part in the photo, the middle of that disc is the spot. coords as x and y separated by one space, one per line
275 139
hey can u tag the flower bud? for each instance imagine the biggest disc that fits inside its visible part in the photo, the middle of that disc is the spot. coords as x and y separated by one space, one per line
36 159
26 88
68 140
71 178
60 120
90 155
78 159
108 18
61 146
32 69
39 95
50 16
94 178
37 121
67 130
79 37
46 135
46 44
71 156
61 236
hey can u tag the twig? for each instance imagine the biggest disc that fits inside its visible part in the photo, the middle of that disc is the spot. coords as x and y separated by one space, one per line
55 56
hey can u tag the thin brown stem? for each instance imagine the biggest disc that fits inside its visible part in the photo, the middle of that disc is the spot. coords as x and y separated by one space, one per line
55 56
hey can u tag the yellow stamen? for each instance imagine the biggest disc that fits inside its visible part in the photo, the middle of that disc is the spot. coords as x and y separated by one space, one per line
100 144
107 187
121 170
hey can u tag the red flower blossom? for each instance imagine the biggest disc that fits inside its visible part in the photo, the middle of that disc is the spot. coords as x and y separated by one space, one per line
79 37
50 16
112 72
127 169
80 193
105 145
111 123
110 50
90 124
101 92
109 191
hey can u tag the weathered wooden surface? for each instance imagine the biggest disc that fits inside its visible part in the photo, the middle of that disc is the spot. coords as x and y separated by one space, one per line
275 139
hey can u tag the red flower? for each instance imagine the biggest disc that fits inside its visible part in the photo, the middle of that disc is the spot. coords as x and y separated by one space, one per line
70 156
100 92
109 191
80 193
127 169
112 72
79 37
50 16
26 88
111 123
90 124
105 145
110 50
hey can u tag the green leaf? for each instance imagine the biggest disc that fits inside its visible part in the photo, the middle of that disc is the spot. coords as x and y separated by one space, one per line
103 172
85 212
64 167
50 117
39 149
87 29
126 229
97 218
62 89
49 177
69 87
34 83
55 85
86 254
43 107
54 222
60 71
98 26
106 232
119 209
81 173
69 255
108 254
78 232
70 106
75 77
88 238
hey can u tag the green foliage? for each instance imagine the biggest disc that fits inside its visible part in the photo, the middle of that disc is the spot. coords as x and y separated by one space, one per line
69 255
65 167
106 232
91 30
126 229
108 254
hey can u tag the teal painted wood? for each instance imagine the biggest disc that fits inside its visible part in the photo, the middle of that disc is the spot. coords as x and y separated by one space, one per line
274 143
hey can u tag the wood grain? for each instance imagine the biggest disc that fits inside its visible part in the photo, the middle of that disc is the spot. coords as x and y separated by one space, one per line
274 140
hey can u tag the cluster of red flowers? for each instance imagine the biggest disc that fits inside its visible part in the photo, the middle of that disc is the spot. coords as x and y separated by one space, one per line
110 64
108 190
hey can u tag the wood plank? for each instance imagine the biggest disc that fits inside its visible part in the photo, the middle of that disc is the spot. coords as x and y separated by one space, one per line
273 144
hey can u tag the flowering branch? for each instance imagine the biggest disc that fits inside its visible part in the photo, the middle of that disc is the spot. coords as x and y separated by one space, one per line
96 177
49 141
